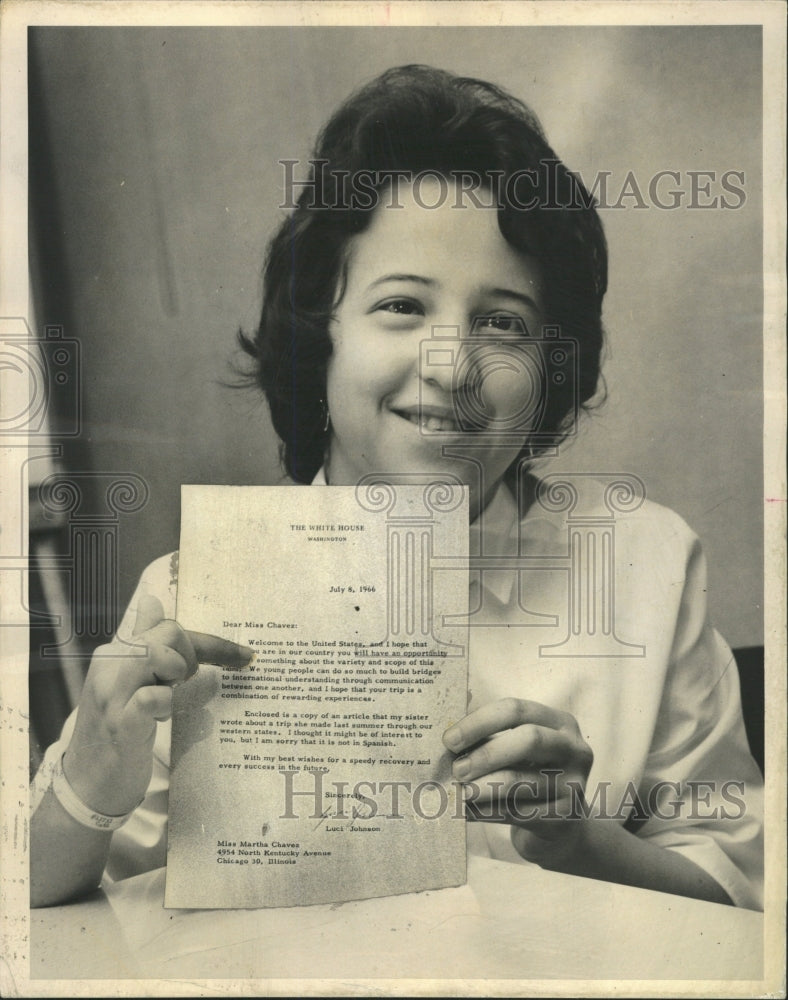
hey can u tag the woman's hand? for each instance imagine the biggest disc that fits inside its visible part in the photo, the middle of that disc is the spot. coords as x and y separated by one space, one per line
525 764
128 689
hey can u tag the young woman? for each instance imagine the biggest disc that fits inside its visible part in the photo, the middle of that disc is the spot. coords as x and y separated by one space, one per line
436 207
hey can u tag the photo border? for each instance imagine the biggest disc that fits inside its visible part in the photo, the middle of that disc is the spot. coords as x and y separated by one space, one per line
15 17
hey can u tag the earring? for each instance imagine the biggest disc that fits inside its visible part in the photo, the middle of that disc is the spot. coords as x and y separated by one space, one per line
326 415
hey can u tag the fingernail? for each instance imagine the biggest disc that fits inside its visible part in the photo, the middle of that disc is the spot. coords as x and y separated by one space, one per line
247 655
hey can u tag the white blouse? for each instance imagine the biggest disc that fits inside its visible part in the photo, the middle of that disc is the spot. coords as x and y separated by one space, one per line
603 616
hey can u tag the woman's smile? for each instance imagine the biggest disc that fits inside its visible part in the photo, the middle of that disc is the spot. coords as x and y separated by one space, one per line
430 419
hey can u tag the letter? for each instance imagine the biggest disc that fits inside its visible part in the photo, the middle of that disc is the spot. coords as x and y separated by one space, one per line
342 726
290 183
734 800
630 189
552 775
550 168
366 800
394 176
654 806
443 797
653 189
365 195
580 807
511 195
340 198
472 792
733 189
290 793
469 182
630 806
696 799
696 189
395 787
600 181
442 183
513 806
340 787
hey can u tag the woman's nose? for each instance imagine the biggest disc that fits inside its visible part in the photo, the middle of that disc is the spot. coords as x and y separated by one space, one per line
443 357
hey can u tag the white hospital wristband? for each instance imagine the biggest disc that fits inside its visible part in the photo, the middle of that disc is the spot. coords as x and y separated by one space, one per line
77 809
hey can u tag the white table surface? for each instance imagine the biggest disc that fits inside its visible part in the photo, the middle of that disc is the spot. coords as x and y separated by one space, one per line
509 922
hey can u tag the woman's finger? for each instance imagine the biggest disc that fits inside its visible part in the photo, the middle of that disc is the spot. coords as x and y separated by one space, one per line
166 665
486 798
510 796
169 633
524 748
496 716
149 613
147 705
197 647
221 652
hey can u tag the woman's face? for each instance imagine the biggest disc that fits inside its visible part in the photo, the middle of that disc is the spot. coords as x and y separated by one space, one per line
432 371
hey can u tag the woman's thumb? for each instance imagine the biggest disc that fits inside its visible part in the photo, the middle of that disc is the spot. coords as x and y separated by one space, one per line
149 613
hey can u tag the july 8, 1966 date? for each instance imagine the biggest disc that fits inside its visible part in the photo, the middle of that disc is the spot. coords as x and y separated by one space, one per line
363 588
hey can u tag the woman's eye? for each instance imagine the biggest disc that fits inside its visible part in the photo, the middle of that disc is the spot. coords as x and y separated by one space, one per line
501 323
401 307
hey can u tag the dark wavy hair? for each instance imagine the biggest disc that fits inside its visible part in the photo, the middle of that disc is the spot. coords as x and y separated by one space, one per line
413 119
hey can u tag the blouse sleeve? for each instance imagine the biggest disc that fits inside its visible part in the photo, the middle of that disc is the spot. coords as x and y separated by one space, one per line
703 789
